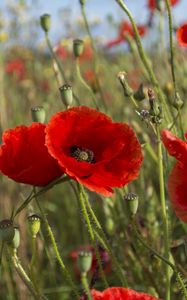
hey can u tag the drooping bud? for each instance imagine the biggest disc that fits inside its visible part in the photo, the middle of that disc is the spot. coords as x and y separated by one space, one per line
6 231
140 94
132 203
78 47
38 114
84 261
16 240
126 88
45 22
178 103
34 222
66 94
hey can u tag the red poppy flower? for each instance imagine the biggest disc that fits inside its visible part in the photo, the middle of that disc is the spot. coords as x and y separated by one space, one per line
119 293
24 157
182 35
16 67
93 150
105 258
177 184
87 54
61 52
152 3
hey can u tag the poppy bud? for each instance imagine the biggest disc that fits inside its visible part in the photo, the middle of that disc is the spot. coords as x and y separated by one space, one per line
178 103
34 222
78 47
84 261
110 226
16 240
140 94
6 230
38 114
45 22
66 94
132 203
122 78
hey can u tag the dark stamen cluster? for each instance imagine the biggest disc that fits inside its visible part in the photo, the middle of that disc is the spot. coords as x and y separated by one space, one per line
82 154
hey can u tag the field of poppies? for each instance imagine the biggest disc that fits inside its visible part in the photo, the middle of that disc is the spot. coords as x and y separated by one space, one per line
93 157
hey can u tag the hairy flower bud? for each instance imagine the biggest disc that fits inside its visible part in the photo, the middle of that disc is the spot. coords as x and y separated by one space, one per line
126 88
140 94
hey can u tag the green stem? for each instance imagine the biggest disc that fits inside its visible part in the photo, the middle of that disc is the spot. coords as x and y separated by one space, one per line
78 72
32 263
91 233
85 285
55 58
163 211
103 239
145 60
166 261
57 253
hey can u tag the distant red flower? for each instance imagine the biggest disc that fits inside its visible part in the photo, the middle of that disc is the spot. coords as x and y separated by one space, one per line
87 54
106 261
177 183
93 150
16 67
119 293
24 157
182 35
152 3
125 29
90 76
61 52
44 85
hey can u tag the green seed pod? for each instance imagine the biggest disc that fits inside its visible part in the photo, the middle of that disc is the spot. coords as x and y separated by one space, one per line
140 94
78 47
16 240
110 226
132 203
66 94
6 231
84 261
45 22
38 114
34 222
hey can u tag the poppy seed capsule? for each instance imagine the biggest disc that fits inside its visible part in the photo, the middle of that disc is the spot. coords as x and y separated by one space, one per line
34 222
16 240
84 261
66 94
38 114
45 22
78 47
132 203
6 231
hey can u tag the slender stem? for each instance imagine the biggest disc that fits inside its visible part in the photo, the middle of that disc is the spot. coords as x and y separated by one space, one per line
166 261
145 60
32 263
85 285
84 83
180 122
57 253
103 239
91 233
55 58
163 211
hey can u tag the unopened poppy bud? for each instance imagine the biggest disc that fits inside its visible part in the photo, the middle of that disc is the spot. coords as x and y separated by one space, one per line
38 114
66 94
45 22
84 261
178 103
78 47
140 94
16 240
6 231
122 78
132 203
34 222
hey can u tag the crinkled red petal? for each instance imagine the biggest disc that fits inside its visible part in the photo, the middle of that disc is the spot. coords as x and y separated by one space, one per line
119 293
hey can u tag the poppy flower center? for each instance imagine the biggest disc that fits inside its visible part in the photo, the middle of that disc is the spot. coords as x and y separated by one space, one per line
82 154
